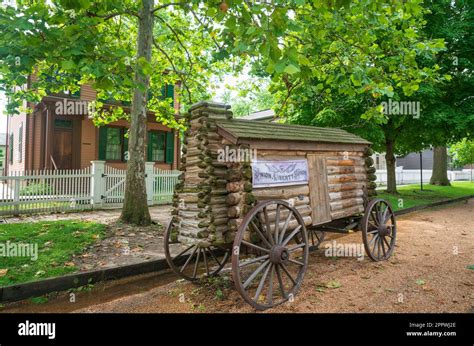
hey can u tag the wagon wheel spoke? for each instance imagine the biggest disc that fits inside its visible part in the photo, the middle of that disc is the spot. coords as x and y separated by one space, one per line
292 234
277 222
373 238
257 230
266 225
205 261
188 260
196 264
255 273
373 216
312 237
379 247
296 262
383 246
386 242
280 282
253 260
285 226
387 216
270 285
375 244
184 251
372 225
262 282
255 246
285 269
180 264
296 247
214 257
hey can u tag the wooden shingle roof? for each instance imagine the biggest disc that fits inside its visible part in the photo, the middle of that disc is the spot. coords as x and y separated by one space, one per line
245 129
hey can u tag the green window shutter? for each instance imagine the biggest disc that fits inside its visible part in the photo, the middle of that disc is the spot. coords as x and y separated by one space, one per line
125 147
149 146
170 92
102 142
163 92
170 147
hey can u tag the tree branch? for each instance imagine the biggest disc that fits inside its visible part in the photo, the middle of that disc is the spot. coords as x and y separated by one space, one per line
178 39
167 5
179 73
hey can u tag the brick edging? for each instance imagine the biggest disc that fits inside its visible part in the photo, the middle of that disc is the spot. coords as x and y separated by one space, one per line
434 204
37 288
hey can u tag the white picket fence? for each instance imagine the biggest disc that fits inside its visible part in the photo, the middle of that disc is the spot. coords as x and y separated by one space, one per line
96 187
412 176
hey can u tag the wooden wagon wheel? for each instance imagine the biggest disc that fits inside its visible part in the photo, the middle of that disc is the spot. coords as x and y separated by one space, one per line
379 230
315 237
194 262
270 254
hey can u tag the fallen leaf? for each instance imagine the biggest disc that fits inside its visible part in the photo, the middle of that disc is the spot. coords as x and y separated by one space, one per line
69 264
420 282
40 272
3 272
470 266
333 284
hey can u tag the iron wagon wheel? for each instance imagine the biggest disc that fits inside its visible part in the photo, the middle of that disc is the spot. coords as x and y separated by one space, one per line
270 242
315 237
194 262
379 230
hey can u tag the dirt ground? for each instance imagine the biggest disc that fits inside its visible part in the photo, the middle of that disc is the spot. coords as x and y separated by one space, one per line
428 272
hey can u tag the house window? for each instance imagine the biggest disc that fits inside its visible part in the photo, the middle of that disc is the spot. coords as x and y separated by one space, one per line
2 157
156 146
113 145
161 146
10 148
20 143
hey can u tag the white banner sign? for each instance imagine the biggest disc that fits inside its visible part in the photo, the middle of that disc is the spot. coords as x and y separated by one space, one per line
279 173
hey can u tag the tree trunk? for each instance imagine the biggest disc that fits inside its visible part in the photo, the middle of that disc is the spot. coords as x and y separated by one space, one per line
135 207
440 167
391 164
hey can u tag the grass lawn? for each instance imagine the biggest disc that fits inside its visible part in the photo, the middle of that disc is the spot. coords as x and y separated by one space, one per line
57 242
411 195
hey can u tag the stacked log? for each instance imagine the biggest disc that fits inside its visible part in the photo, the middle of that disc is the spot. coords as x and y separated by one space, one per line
240 198
347 178
370 170
297 196
199 201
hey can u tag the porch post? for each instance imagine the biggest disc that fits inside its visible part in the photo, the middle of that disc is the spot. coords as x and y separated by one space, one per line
97 183
149 179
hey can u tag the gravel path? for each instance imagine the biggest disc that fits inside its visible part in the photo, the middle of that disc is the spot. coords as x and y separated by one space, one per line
427 273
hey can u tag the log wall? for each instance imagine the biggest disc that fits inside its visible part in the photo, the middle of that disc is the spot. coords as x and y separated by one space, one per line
348 174
199 204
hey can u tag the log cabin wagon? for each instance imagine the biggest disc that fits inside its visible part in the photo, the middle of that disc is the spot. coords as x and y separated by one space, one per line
264 194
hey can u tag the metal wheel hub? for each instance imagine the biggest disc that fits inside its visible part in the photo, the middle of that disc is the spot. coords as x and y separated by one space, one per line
279 254
383 230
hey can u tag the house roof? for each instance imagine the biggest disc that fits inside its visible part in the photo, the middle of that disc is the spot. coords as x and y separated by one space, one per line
244 129
260 115
3 139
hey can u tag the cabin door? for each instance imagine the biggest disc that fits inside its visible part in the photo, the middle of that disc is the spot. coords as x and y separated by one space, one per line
318 189
62 150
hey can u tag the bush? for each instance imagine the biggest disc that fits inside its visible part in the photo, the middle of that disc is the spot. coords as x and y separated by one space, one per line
36 189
